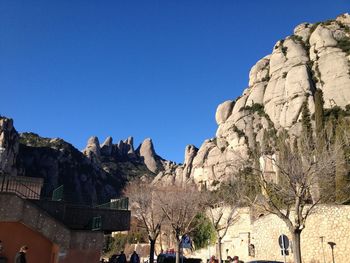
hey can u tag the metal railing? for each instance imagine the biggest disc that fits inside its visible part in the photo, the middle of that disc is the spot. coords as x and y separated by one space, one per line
28 188
111 216
32 188
116 204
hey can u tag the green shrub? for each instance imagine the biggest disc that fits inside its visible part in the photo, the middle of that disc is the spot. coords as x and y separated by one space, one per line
344 45
313 27
328 22
336 112
204 232
266 78
238 131
297 39
284 50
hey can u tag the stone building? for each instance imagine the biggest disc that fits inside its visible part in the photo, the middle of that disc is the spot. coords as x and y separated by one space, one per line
257 237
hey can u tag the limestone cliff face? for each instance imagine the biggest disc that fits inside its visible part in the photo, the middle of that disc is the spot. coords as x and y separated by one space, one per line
315 56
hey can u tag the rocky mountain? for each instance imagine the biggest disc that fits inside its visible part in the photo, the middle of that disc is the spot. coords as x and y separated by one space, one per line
283 86
95 175
315 57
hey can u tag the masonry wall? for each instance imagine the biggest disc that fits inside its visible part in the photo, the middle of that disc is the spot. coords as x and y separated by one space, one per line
328 223
86 247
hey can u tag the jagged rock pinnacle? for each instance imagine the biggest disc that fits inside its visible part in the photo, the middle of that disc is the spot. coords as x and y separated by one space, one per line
147 152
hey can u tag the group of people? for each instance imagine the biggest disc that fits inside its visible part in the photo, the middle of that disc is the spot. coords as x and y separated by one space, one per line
121 258
235 259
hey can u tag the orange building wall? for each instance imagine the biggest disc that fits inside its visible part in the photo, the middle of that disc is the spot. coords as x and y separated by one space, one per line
13 235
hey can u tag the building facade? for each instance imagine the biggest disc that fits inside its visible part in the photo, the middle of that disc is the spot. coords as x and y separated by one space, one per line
54 231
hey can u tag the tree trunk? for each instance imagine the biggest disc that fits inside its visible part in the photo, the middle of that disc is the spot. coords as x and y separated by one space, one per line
219 248
296 245
151 251
178 250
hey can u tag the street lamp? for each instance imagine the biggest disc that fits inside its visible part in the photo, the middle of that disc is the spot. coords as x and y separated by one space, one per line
324 257
209 250
332 245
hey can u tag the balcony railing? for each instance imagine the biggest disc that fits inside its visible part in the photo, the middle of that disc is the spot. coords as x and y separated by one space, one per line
111 216
25 187
116 204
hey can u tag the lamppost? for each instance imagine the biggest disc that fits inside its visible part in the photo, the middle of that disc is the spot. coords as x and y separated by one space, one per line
324 257
208 250
332 245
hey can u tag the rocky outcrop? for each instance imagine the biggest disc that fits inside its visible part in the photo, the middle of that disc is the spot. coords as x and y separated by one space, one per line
147 153
224 111
316 56
190 154
107 146
124 151
93 176
126 148
93 150
8 147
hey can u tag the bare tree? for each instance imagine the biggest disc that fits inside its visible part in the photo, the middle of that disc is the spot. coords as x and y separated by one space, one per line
299 171
221 206
181 205
145 205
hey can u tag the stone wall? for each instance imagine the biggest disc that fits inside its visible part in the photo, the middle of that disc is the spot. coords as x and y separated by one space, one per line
328 223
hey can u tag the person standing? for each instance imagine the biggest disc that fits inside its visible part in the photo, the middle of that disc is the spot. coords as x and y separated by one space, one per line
21 255
213 259
236 259
1 248
121 258
134 258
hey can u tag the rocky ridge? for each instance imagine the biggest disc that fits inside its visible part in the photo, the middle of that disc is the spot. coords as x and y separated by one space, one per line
315 56
94 175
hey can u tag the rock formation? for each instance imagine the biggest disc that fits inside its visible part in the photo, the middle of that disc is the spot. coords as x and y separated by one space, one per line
95 175
316 56
93 149
107 146
8 147
149 156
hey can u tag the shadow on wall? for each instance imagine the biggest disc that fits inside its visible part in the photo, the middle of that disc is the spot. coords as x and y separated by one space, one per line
14 235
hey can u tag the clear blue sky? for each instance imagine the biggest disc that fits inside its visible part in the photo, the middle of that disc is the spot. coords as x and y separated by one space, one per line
73 69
